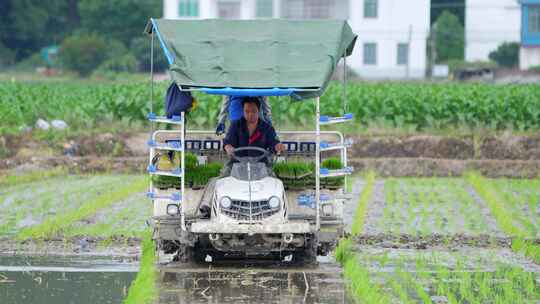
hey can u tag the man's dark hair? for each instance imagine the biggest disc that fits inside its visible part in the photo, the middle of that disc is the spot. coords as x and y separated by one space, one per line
251 99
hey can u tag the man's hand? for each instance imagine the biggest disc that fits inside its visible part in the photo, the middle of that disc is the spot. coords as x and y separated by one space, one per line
279 148
229 149
220 129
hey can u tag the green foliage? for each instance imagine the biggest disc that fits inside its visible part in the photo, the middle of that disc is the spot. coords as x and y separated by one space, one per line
196 175
535 69
412 105
122 20
82 53
506 55
140 47
143 289
456 7
122 64
450 37
301 174
17 179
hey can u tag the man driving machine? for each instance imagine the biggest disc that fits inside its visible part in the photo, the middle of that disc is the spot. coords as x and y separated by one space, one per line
250 131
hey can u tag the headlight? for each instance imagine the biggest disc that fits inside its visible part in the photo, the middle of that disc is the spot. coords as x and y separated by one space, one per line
172 209
328 209
274 202
225 202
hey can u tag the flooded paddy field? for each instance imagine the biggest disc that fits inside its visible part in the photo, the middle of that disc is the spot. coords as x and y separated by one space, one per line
253 282
431 240
48 279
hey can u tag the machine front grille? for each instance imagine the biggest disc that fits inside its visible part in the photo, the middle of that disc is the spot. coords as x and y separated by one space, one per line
240 210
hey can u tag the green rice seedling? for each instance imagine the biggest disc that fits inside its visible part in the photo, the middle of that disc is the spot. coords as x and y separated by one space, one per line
54 225
365 197
360 284
18 179
143 289
500 211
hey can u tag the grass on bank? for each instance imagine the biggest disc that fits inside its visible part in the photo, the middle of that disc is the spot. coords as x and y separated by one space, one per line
56 224
143 289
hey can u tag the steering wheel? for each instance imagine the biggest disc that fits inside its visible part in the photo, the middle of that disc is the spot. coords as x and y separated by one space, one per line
249 159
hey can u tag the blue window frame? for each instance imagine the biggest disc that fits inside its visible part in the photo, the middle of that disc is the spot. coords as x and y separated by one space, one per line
530 18
188 8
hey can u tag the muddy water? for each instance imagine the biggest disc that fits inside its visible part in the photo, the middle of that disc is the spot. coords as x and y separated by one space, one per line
258 282
64 280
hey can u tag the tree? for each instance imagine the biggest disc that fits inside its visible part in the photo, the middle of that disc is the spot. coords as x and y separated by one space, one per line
506 55
29 25
450 38
120 19
83 53
455 7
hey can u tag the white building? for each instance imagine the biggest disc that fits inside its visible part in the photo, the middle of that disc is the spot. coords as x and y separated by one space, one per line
488 24
392 34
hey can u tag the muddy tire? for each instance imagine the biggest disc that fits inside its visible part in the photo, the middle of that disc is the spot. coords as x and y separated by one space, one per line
187 254
308 255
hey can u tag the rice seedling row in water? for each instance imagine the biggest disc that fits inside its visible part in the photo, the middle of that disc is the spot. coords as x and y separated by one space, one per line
18 179
417 105
358 276
500 210
54 225
143 289
64 196
431 205
523 200
452 278
124 218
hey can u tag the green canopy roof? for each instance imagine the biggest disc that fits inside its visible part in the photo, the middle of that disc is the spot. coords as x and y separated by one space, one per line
252 54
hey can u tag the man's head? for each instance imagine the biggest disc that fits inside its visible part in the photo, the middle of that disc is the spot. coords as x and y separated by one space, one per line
251 107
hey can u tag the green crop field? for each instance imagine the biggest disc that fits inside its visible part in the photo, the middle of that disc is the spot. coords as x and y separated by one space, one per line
416 105
445 240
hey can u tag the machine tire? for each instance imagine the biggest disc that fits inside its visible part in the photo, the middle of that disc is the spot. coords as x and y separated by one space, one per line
187 254
308 255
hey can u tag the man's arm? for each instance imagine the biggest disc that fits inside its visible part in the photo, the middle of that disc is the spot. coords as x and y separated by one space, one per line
273 140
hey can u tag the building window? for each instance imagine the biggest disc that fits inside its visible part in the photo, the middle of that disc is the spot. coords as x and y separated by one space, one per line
229 9
370 8
188 8
265 8
402 53
534 19
315 9
370 53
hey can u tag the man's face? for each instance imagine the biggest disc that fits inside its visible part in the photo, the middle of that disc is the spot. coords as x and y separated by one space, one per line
251 112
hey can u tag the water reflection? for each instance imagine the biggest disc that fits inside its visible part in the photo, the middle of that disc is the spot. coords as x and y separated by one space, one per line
23 280
252 284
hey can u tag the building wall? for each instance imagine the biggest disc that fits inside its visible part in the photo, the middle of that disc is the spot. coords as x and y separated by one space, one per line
529 57
398 21
489 23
